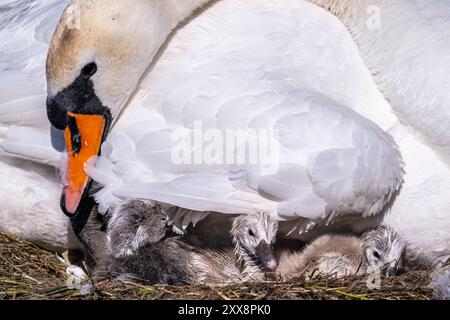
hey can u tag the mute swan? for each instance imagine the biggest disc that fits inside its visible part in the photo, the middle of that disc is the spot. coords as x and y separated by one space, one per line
140 249
378 250
346 167
322 58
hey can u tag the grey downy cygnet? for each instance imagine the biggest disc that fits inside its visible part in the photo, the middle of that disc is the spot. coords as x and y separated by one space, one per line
378 250
139 249
139 246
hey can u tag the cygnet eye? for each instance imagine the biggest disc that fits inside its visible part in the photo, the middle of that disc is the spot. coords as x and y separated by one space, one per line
251 233
376 254
89 70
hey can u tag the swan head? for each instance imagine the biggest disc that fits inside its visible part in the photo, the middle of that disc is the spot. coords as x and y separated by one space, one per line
136 224
254 236
383 250
97 56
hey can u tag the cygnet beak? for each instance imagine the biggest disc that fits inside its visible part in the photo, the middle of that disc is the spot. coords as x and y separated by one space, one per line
390 270
265 255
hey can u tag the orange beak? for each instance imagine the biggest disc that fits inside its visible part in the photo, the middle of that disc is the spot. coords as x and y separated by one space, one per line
84 136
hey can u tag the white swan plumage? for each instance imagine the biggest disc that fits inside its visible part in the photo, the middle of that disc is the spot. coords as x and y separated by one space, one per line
29 191
29 197
411 71
314 76
332 161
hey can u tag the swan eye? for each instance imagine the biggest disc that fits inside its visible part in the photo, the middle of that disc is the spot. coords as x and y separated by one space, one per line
89 70
251 233
376 254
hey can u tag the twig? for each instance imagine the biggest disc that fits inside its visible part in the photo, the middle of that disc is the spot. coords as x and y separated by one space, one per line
351 295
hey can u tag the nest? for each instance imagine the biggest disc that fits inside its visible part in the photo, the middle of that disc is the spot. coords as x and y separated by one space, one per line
25 268
29 272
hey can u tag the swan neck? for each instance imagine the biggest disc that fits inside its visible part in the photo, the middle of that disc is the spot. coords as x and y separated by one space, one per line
180 10
156 20
342 9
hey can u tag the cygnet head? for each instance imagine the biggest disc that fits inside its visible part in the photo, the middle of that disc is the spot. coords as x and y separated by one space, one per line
383 250
135 225
254 236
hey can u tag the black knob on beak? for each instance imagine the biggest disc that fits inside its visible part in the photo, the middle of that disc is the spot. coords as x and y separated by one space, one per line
79 97
57 113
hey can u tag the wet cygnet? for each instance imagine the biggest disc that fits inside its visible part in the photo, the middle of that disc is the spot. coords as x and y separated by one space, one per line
253 238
